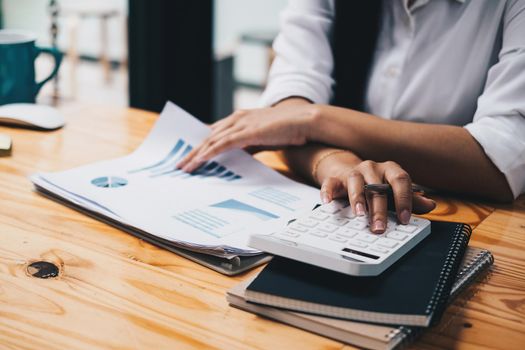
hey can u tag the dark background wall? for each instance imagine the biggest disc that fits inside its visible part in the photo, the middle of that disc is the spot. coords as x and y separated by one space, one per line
171 55
1 16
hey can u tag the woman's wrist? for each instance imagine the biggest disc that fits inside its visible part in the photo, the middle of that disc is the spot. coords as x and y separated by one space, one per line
311 120
319 160
331 162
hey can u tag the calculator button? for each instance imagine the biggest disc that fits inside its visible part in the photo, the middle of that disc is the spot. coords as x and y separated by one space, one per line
319 234
406 228
391 224
358 225
298 228
366 238
358 244
388 230
339 239
307 222
415 221
327 227
317 215
347 232
387 243
337 220
397 235
331 208
347 212
379 250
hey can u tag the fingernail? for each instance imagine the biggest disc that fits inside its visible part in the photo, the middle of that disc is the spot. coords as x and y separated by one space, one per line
378 226
325 198
360 209
404 217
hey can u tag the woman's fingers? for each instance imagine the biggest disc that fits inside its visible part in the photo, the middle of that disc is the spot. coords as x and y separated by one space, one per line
331 188
258 127
188 158
196 158
402 187
377 209
377 202
219 129
238 139
356 195
422 205
193 159
189 161
224 123
352 177
227 122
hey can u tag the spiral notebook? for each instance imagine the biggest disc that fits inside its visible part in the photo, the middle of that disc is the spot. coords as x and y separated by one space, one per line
476 262
412 292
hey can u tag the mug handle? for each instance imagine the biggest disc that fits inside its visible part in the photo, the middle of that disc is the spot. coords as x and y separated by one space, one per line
57 55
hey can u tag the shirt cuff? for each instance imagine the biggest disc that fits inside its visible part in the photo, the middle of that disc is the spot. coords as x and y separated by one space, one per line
502 140
277 91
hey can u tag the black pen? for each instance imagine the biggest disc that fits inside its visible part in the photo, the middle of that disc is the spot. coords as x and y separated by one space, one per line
387 189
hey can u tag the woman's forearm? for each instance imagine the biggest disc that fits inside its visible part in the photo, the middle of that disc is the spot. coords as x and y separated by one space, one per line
440 156
302 159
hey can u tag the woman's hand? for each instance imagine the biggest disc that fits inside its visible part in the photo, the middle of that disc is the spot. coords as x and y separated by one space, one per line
342 174
282 125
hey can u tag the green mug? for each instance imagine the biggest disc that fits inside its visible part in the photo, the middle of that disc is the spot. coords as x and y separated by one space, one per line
17 67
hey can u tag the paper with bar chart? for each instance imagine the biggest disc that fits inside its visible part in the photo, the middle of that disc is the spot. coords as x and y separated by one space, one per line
212 210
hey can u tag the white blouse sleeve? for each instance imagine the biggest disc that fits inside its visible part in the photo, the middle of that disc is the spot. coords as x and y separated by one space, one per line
499 121
303 57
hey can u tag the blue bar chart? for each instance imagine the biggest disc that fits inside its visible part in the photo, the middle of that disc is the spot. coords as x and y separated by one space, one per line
235 205
166 159
202 221
272 195
212 219
168 166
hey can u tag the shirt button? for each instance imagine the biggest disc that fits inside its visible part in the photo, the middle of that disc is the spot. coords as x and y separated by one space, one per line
392 71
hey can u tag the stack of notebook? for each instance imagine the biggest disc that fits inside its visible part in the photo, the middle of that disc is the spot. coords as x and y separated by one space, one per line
379 312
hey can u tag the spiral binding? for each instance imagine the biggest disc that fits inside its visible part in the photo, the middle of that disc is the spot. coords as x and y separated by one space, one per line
470 270
409 335
457 249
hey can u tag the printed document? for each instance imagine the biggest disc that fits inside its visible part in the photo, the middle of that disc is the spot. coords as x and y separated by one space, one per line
212 210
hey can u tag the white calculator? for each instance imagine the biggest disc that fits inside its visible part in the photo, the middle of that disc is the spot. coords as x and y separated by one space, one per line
332 237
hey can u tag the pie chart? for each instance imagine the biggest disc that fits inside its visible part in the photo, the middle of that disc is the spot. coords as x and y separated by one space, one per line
109 181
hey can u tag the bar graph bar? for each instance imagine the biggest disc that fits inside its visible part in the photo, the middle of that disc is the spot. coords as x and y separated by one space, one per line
202 221
168 166
235 205
277 197
166 159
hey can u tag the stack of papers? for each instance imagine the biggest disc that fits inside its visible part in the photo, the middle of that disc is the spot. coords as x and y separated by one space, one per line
212 210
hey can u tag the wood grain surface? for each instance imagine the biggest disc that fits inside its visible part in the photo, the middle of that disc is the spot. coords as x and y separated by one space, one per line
115 291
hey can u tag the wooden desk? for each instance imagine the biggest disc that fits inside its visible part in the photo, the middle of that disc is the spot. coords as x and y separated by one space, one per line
118 292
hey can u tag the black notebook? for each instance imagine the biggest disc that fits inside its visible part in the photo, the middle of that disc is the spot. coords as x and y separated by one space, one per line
476 262
413 291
